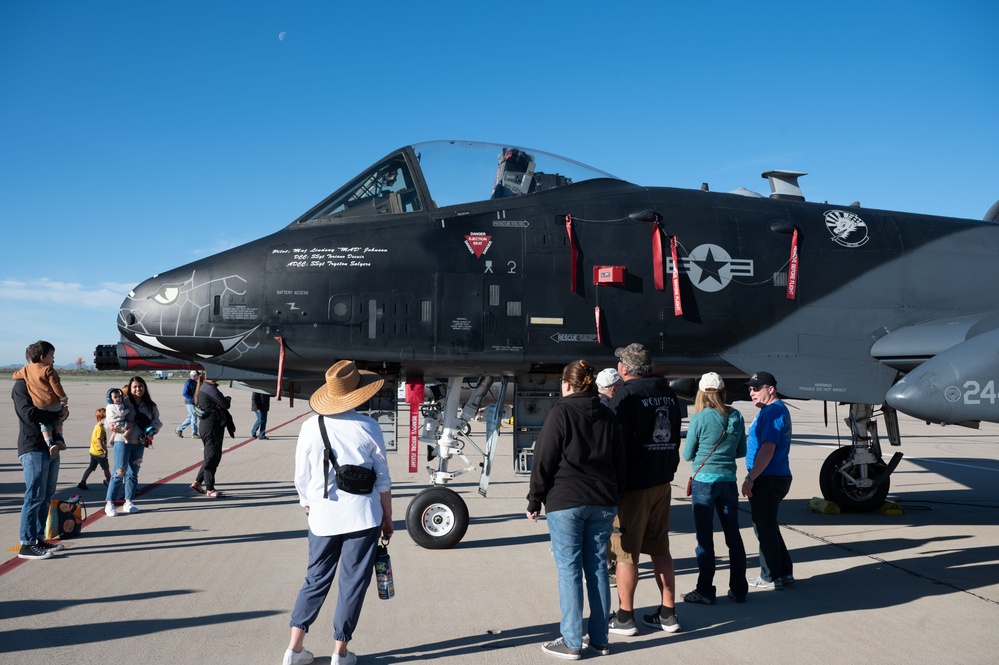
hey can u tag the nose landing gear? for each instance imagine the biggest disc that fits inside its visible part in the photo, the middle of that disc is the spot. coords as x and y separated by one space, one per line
855 477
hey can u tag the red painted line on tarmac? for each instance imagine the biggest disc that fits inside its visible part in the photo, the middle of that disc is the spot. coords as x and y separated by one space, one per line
13 563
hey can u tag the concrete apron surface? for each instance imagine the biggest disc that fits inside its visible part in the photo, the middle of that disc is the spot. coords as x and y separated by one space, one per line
190 579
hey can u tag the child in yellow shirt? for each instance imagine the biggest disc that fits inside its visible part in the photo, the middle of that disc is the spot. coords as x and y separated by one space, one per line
98 450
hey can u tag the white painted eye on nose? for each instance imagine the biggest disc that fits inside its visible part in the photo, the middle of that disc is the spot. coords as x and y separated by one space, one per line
166 295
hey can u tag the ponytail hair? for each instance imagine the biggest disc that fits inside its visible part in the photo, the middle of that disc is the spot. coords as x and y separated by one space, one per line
712 399
580 375
197 387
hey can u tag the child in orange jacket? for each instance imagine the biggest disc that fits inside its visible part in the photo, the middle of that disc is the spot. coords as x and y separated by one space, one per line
45 390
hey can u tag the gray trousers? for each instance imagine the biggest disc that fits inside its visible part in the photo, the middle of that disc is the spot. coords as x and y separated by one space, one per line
354 555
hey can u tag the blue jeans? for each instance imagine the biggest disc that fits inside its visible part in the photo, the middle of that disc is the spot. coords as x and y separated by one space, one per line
579 546
41 473
721 497
260 427
127 456
354 555
768 492
191 420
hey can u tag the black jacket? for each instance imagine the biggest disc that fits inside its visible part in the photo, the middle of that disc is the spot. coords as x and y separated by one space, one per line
649 413
215 405
29 436
260 401
578 456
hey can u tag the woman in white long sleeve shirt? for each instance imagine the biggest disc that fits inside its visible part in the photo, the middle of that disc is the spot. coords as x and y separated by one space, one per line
343 526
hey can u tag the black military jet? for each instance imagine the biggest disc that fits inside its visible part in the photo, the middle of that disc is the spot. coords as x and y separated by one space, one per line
455 260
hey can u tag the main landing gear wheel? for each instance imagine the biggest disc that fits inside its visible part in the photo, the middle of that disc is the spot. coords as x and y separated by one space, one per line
838 489
437 518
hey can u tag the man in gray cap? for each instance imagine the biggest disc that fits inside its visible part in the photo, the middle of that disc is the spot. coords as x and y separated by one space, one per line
649 414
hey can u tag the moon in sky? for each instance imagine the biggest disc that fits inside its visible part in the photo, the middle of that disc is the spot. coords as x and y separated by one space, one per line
281 36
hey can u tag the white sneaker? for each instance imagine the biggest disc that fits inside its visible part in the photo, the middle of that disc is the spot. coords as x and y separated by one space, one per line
109 510
349 659
303 657
129 507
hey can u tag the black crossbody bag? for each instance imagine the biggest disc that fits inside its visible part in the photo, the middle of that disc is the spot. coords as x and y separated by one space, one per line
350 478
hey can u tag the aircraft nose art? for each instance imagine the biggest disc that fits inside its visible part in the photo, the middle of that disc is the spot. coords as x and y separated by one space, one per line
172 314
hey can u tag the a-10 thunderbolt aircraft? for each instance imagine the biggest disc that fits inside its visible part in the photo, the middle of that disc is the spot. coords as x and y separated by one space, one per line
490 265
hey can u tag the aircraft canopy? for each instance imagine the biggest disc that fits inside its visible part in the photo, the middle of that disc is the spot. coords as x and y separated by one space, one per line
455 172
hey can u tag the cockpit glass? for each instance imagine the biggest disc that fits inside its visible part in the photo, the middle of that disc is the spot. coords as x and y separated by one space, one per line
459 172
456 172
386 189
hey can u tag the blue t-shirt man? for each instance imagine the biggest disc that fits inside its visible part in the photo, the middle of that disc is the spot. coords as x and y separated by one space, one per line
768 480
772 423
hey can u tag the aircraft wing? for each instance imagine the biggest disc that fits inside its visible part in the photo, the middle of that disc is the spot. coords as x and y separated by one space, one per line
826 377
949 366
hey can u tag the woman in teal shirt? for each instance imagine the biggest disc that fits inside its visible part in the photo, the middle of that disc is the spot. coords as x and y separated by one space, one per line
716 438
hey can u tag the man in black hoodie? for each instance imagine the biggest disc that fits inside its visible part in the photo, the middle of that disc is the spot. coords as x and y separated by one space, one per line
649 413
41 472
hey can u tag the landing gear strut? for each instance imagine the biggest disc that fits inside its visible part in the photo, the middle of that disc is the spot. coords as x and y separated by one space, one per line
856 477
437 517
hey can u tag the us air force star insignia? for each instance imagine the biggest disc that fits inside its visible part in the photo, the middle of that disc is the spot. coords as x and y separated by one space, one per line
846 228
710 268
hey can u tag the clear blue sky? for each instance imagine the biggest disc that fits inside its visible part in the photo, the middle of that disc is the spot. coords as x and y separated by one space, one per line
138 136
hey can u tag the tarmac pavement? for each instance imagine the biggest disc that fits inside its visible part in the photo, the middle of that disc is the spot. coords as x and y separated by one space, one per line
190 579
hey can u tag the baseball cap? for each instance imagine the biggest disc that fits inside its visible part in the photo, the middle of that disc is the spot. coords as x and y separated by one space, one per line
634 355
194 374
761 379
711 381
608 377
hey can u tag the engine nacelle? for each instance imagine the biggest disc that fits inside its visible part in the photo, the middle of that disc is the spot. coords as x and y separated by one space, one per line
955 386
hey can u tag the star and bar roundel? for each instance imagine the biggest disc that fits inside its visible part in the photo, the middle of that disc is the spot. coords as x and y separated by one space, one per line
710 268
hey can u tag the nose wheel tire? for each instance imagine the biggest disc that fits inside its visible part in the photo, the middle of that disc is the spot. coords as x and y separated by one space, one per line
437 518
836 487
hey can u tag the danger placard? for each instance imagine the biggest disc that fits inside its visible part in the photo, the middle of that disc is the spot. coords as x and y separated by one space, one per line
478 243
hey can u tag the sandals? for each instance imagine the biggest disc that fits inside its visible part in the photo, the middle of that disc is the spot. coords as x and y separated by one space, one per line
211 494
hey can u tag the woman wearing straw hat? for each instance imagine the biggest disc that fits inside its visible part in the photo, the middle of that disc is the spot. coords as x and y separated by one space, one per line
716 437
343 528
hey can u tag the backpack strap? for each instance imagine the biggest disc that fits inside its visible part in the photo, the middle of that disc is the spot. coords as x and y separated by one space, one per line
713 448
327 456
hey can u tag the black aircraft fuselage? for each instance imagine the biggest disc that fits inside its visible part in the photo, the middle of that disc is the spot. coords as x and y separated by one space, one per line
446 269
488 287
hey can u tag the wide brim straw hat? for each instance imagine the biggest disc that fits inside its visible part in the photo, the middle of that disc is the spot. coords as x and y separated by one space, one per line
346 388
